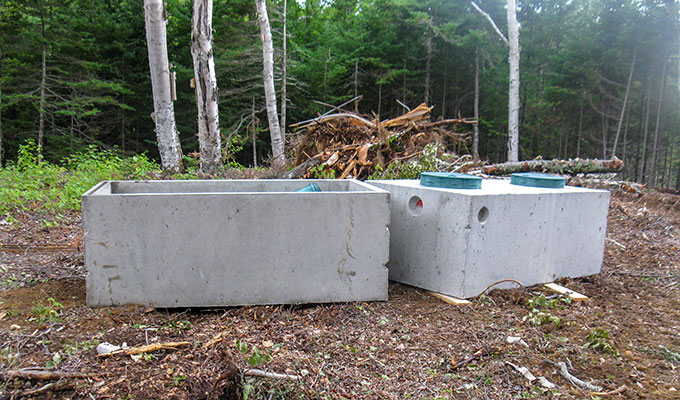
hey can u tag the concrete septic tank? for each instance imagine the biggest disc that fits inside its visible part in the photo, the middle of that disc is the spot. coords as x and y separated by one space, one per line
235 242
459 241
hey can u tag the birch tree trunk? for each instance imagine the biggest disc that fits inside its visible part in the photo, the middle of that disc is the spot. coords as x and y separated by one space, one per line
475 135
428 60
625 103
1 135
43 83
655 149
206 87
164 114
278 155
284 72
513 96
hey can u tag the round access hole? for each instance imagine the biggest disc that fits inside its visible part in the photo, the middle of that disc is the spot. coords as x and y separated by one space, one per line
483 215
415 205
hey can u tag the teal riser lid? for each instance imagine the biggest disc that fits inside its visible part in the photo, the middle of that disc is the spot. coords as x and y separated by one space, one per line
534 179
312 187
450 180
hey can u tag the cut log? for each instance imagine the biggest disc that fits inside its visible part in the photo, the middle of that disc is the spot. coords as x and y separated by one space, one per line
568 167
41 374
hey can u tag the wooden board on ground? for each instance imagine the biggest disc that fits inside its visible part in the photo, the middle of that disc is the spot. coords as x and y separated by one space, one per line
450 300
576 296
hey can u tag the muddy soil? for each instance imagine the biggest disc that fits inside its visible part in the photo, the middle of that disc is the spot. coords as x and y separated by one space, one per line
625 339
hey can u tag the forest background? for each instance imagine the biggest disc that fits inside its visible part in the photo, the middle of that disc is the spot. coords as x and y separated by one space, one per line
576 60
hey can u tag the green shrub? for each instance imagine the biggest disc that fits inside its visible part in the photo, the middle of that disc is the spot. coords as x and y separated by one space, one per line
32 183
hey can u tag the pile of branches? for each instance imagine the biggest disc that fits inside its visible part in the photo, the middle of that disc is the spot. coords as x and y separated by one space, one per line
348 145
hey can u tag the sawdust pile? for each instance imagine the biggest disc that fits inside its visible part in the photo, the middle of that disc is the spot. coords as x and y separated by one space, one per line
347 145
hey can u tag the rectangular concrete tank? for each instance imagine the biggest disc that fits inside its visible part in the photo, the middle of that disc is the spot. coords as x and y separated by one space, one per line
459 241
235 242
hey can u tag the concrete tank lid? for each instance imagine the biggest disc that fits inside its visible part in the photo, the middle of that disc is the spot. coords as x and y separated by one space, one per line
535 179
450 180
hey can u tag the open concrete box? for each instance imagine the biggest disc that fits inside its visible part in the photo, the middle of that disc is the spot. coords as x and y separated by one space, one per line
235 242
459 241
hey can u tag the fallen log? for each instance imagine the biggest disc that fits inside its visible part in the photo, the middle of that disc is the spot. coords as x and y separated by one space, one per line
32 374
145 349
565 167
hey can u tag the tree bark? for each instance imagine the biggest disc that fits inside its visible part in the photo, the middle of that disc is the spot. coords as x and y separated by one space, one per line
356 86
428 60
625 103
167 136
655 149
1 134
571 167
254 126
513 101
580 129
43 83
643 157
284 72
209 139
475 135
278 155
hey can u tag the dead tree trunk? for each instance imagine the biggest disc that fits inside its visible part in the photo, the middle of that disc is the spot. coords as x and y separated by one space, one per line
475 135
278 151
643 158
655 149
625 103
167 136
284 72
206 87
571 167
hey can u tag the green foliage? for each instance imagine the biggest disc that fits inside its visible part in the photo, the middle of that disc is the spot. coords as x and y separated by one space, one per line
663 352
538 318
33 183
539 301
410 170
319 172
253 356
598 339
49 312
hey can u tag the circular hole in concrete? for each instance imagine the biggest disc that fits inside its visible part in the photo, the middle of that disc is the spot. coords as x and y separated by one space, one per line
483 215
415 205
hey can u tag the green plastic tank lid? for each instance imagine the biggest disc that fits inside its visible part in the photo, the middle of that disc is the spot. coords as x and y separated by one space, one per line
312 187
450 180
537 180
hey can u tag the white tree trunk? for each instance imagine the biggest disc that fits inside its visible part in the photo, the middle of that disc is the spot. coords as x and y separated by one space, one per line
278 155
428 59
475 137
284 72
206 87
164 114
43 83
513 101
625 103
1 135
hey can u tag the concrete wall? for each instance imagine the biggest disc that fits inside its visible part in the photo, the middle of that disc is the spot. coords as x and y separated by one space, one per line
233 242
460 241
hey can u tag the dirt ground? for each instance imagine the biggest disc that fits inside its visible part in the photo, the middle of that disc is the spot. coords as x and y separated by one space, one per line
626 339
